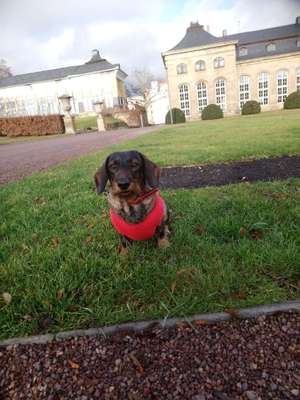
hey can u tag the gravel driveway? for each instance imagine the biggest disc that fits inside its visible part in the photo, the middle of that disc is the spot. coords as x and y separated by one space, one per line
255 359
21 159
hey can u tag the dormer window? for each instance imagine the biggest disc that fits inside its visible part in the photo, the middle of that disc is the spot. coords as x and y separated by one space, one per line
271 47
219 62
200 65
298 42
243 51
181 68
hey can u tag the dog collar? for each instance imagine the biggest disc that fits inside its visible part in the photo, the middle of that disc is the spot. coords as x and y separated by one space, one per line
141 198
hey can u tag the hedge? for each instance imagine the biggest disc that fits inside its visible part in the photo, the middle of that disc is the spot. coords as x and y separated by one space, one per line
212 111
177 115
37 125
292 101
251 107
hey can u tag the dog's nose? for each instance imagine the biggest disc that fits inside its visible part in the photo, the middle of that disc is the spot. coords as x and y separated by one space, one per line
124 185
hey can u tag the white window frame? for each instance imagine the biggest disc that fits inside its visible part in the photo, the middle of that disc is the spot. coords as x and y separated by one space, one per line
271 47
220 90
202 95
244 89
282 86
263 88
219 62
181 68
200 65
184 99
243 51
298 78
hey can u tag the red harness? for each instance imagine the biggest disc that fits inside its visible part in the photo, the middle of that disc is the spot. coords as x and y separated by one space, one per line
143 230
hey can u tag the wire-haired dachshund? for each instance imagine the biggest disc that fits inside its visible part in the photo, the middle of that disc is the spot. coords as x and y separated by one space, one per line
136 209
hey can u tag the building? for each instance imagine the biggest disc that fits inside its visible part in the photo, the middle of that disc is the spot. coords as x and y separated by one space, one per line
261 65
157 102
37 93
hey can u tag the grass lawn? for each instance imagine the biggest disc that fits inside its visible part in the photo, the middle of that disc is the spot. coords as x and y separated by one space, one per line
58 256
91 122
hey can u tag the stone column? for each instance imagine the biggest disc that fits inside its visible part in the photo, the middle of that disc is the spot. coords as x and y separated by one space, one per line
100 121
68 118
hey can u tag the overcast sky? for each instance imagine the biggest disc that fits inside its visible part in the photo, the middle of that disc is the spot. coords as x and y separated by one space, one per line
37 34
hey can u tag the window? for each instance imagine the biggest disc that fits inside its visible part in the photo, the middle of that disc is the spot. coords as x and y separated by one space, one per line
81 107
200 65
298 43
282 86
221 93
243 51
271 47
181 68
202 95
263 88
184 99
219 62
298 78
244 89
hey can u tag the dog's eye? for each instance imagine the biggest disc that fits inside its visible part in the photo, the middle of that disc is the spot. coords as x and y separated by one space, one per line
113 167
134 164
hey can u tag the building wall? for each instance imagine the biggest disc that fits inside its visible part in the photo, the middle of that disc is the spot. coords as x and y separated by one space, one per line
157 103
42 97
230 72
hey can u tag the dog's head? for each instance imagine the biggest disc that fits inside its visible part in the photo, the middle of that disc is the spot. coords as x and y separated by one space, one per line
129 173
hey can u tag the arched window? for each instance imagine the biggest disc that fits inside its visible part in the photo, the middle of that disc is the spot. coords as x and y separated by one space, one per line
200 65
282 86
184 99
244 89
221 93
298 78
243 51
263 88
181 68
219 62
271 47
202 95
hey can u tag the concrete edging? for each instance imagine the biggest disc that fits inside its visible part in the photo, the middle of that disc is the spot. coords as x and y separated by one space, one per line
139 326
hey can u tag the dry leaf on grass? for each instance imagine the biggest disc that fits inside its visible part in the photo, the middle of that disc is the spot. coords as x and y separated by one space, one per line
59 294
239 295
242 232
256 234
6 298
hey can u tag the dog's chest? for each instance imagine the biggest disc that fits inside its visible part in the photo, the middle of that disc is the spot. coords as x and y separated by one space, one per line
131 213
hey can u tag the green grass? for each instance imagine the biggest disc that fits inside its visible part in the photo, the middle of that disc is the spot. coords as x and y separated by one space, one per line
91 121
58 256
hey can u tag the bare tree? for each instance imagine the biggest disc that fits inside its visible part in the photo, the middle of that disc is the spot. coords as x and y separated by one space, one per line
4 69
142 79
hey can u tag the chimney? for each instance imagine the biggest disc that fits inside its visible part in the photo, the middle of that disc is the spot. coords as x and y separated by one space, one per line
95 53
298 20
207 28
224 32
195 26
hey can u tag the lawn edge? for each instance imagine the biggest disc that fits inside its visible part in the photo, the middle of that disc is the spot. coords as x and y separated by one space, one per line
139 326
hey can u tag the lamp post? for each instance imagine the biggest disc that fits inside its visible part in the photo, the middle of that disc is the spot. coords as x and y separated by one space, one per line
100 121
68 118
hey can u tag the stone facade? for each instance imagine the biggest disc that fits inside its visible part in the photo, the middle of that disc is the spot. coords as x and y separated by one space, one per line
204 85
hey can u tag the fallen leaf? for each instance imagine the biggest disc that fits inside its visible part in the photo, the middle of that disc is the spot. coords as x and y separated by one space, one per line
279 196
232 312
27 317
89 240
55 241
200 322
242 232
173 286
59 294
239 295
181 324
72 308
24 247
73 364
7 298
256 234
200 229
40 200
136 362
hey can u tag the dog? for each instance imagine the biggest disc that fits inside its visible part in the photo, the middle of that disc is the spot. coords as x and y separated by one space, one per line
137 211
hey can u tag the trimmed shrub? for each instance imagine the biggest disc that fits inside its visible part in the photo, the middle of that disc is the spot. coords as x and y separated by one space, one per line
212 111
37 125
177 114
292 101
251 107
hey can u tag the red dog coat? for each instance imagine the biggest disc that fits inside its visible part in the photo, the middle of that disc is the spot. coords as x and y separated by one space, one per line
143 230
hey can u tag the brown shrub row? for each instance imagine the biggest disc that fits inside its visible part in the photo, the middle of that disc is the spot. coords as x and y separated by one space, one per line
32 125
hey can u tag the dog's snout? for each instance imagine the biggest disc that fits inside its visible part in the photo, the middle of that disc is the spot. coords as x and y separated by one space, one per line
123 185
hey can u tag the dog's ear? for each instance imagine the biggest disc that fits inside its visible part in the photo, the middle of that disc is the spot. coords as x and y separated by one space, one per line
101 177
151 172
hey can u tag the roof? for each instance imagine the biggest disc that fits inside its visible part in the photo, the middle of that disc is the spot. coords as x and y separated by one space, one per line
95 64
284 36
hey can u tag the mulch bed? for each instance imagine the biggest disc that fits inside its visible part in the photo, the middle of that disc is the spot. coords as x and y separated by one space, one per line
249 359
265 169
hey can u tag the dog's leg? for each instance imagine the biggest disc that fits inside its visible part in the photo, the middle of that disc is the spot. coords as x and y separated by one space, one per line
125 244
163 233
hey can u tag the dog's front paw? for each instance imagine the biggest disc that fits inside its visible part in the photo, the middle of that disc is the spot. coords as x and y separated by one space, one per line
163 243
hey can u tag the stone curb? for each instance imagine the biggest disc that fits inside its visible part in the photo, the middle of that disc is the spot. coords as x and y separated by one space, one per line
139 326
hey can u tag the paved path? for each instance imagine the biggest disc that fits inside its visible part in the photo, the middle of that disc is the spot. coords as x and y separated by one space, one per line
21 159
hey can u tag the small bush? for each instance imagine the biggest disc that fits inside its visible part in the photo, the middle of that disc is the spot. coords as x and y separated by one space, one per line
251 107
292 101
36 125
212 111
177 114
